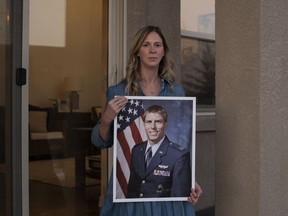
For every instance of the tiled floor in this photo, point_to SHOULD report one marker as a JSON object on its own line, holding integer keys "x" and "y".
{"x": 49, "y": 200}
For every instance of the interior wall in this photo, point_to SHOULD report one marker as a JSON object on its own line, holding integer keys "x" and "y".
{"x": 81, "y": 57}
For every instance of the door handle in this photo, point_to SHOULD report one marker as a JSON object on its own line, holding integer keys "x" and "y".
{"x": 21, "y": 76}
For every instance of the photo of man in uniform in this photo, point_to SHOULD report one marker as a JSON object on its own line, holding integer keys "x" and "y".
{"x": 158, "y": 167}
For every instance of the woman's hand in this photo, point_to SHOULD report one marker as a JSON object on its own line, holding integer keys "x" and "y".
{"x": 195, "y": 194}
{"x": 114, "y": 106}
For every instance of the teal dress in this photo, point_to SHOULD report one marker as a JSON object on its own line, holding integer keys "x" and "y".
{"x": 167, "y": 208}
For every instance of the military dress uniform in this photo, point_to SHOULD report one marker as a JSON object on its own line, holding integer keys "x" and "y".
{"x": 167, "y": 175}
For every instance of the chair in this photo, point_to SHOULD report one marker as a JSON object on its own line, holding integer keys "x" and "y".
{"x": 94, "y": 164}
{"x": 44, "y": 138}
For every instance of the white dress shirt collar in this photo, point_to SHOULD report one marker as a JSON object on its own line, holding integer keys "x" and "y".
{"x": 154, "y": 146}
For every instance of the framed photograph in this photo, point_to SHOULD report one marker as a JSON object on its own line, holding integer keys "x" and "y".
{"x": 166, "y": 171}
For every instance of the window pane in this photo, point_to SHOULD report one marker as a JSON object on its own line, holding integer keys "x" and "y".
{"x": 198, "y": 16}
{"x": 65, "y": 83}
{"x": 198, "y": 69}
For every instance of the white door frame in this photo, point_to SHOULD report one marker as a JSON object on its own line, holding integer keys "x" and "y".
{"x": 117, "y": 51}
{"x": 117, "y": 40}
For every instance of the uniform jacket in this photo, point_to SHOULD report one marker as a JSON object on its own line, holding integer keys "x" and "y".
{"x": 168, "y": 174}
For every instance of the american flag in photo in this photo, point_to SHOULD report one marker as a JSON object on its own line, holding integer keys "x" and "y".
{"x": 130, "y": 131}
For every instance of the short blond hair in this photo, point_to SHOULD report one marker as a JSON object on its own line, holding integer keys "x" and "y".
{"x": 156, "y": 109}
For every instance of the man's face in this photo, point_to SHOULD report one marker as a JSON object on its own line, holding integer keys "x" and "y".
{"x": 155, "y": 127}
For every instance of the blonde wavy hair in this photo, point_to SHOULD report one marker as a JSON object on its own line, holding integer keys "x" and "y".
{"x": 133, "y": 78}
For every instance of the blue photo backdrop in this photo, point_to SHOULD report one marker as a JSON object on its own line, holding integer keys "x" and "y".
{"x": 180, "y": 114}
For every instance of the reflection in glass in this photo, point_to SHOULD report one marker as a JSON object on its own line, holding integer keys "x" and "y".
{"x": 64, "y": 166}
{"x": 198, "y": 69}
{"x": 5, "y": 114}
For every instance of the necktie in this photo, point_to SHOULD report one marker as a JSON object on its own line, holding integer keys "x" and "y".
{"x": 148, "y": 156}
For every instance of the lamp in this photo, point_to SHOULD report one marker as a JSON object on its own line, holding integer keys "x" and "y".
{"x": 73, "y": 85}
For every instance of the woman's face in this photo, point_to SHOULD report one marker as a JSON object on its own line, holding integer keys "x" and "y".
{"x": 151, "y": 51}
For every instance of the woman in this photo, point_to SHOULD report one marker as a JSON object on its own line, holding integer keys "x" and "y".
{"x": 149, "y": 73}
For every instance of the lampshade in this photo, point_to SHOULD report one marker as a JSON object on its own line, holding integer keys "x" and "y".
{"x": 74, "y": 84}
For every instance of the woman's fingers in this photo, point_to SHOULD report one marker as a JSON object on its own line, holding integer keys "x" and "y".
{"x": 119, "y": 103}
{"x": 195, "y": 194}
{"x": 114, "y": 106}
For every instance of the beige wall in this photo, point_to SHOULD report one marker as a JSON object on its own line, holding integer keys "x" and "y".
{"x": 205, "y": 158}
{"x": 251, "y": 108}
{"x": 81, "y": 57}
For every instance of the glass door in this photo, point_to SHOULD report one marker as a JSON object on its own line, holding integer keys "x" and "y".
{"x": 67, "y": 81}
{"x": 12, "y": 109}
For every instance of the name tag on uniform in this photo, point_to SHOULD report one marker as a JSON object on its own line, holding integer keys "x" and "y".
{"x": 161, "y": 173}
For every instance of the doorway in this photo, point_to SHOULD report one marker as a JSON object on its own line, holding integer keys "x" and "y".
{"x": 67, "y": 81}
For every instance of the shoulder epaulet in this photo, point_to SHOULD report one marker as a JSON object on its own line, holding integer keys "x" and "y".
{"x": 177, "y": 147}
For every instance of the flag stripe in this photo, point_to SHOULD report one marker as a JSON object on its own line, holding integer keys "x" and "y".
{"x": 135, "y": 133}
{"x": 124, "y": 145}
{"x": 124, "y": 165}
{"x": 141, "y": 129}
{"x": 130, "y": 131}
{"x": 121, "y": 179}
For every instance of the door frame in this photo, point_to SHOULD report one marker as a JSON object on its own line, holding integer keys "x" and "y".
{"x": 17, "y": 155}
{"x": 116, "y": 67}
{"x": 24, "y": 111}
{"x": 117, "y": 50}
